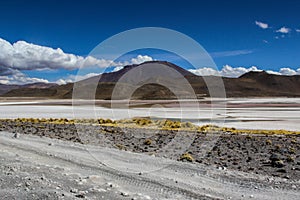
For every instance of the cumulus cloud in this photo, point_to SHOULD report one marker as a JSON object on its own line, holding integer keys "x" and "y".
{"x": 26, "y": 56}
{"x": 22, "y": 55}
{"x": 15, "y": 76}
{"x": 118, "y": 68}
{"x": 138, "y": 60}
{"x": 272, "y": 72}
{"x": 19, "y": 78}
{"x": 284, "y": 30}
{"x": 262, "y": 25}
{"x": 298, "y": 30}
{"x": 227, "y": 71}
{"x": 234, "y": 72}
{"x": 287, "y": 71}
{"x": 205, "y": 71}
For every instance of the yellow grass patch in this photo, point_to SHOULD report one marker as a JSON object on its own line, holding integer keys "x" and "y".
{"x": 150, "y": 124}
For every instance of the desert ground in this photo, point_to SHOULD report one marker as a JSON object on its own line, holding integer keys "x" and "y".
{"x": 57, "y": 159}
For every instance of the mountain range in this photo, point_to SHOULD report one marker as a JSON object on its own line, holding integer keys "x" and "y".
{"x": 251, "y": 84}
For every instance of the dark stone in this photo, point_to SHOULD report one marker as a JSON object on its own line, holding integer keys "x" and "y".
{"x": 282, "y": 170}
{"x": 80, "y": 196}
{"x": 278, "y": 164}
{"x": 275, "y": 157}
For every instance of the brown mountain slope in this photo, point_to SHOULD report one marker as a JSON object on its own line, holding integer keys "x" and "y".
{"x": 7, "y": 88}
{"x": 252, "y": 84}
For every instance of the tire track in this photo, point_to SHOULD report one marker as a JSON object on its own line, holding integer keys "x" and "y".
{"x": 142, "y": 183}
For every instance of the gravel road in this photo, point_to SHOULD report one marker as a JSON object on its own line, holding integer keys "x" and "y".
{"x": 34, "y": 167}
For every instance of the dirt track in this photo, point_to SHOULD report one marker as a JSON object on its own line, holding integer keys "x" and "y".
{"x": 33, "y": 168}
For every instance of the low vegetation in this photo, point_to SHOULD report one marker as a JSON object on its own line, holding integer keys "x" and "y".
{"x": 186, "y": 157}
{"x": 148, "y": 142}
{"x": 152, "y": 124}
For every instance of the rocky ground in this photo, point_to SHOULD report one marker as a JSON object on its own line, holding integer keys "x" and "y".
{"x": 34, "y": 167}
{"x": 20, "y": 179}
{"x": 272, "y": 155}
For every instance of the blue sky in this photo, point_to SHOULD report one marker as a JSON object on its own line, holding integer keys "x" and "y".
{"x": 226, "y": 29}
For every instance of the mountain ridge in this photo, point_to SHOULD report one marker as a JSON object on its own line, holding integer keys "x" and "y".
{"x": 250, "y": 84}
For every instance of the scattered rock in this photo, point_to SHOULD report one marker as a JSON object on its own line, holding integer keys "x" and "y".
{"x": 124, "y": 194}
{"x": 282, "y": 170}
{"x": 74, "y": 190}
{"x": 274, "y": 157}
{"x": 16, "y": 135}
{"x": 80, "y": 196}
{"x": 278, "y": 164}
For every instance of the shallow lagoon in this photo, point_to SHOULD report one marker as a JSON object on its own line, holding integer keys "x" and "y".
{"x": 260, "y": 113}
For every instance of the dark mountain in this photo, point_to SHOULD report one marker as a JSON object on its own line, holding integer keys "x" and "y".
{"x": 6, "y": 88}
{"x": 262, "y": 84}
{"x": 153, "y": 75}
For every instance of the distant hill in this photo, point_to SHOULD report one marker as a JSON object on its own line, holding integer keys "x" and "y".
{"x": 251, "y": 84}
{"x": 7, "y": 88}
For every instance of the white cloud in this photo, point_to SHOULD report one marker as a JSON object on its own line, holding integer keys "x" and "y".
{"x": 262, "y": 25}
{"x": 297, "y": 30}
{"x": 21, "y": 55}
{"x": 140, "y": 59}
{"x": 61, "y": 81}
{"x": 19, "y": 78}
{"x": 205, "y": 71}
{"x": 233, "y": 72}
{"x": 287, "y": 71}
{"x": 118, "y": 68}
{"x": 283, "y": 30}
{"x": 15, "y": 76}
{"x": 273, "y": 72}
{"x": 26, "y": 56}
{"x": 227, "y": 71}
